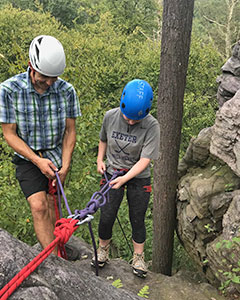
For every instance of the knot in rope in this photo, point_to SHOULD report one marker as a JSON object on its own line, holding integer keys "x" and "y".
{"x": 98, "y": 199}
{"x": 64, "y": 229}
{"x": 52, "y": 190}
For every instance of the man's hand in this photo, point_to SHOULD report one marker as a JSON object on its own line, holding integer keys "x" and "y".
{"x": 62, "y": 175}
{"x": 47, "y": 167}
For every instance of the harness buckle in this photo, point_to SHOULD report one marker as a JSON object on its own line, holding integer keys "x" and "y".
{"x": 147, "y": 188}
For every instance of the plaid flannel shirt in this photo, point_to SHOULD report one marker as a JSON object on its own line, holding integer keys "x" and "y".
{"x": 40, "y": 119}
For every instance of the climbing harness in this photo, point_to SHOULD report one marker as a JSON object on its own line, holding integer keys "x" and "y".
{"x": 64, "y": 228}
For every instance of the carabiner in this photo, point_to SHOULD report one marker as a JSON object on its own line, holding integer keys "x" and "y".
{"x": 88, "y": 218}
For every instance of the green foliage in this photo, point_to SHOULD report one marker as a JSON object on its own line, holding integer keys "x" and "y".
{"x": 17, "y": 31}
{"x": 102, "y": 57}
{"x": 231, "y": 273}
{"x": 181, "y": 259}
{"x": 117, "y": 283}
{"x": 127, "y": 15}
{"x": 200, "y": 103}
{"x": 68, "y": 12}
{"x": 144, "y": 292}
{"x": 15, "y": 215}
{"x": 217, "y": 21}
{"x": 209, "y": 228}
{"x": 130, "y": 14}
{"x": 229, "y": 187}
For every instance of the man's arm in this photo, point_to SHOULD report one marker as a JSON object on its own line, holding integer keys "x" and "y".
{"x": 18, "y": 145}
{"x": 68, "y": 145}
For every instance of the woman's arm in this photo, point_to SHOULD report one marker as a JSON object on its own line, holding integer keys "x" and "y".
{"x": 141, "y": 165}
{"x": 102, "y": 148}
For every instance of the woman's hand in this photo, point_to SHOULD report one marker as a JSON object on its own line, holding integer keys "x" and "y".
{"x": 117, "y": 182}
{"x": 101, "y": 167}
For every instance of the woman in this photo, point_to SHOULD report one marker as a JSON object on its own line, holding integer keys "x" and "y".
{"x": 129, "y": 138}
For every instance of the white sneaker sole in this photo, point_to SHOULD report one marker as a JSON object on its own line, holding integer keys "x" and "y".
{"x": 139, "y": 273}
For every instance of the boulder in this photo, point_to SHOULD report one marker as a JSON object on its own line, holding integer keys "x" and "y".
{"x": 57, "y": 278}
{"x": 225, "y": 142}
{"x": 208, "y": 209}
{"x": 229, "y": 81}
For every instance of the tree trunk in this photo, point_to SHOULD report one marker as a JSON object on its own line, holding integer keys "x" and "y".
{"x": 176, "y": 36}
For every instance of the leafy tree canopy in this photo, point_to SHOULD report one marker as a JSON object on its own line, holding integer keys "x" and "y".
{"x": 127, "y": 14}
{"x": 218, "y": 21}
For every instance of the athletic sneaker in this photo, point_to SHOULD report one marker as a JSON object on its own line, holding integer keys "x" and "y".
{"x": 102, "y": 256}
{"x": 138, "y": 265}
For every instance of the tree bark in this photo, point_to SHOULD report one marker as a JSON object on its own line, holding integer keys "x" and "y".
{"x": 175, "y": 44}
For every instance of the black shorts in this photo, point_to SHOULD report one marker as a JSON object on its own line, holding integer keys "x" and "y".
{"x": 30, "y": 178}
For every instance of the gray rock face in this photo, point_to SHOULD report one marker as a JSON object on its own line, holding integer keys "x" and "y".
{"x": 229, "y": 81}
{"x": 208, "y": 205}
{"x": 57, "y": 279}
{"x": 225, "y": 142}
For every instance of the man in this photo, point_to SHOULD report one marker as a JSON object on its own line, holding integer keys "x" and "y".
{"x": 38, "y": 112}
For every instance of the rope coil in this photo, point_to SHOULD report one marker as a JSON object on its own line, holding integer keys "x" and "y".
{"x": 63, "y": 232}
{"x": 64, "y": 228}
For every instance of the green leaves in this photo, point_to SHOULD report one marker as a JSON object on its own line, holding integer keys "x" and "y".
{"x": 230, "y": 272}
{"x": 144, "y": 292}
{"x": 117, "y": 283}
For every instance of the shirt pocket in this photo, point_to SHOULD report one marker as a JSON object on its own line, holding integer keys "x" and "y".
{"x": 27, "y": 120}
{"x": 56, "y": 120}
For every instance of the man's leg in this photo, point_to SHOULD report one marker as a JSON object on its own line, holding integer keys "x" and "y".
{"x": 51, "y": 209}
{"x": 42, "y": 219}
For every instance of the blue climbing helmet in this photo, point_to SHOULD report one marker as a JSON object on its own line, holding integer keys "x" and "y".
{"x": 136, "y": 99}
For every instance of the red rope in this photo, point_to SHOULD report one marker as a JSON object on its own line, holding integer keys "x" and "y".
{"x": 52, "y": 190}
{"x": 63, "y": 231}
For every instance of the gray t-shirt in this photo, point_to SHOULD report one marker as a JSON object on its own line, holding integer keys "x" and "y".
{"x": 126, "y": 144}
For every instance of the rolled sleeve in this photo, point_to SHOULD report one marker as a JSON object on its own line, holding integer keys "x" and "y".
{"x": 152, "y": 143}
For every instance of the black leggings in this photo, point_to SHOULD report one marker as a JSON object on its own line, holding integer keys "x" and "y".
{"x": 138, "y": 195}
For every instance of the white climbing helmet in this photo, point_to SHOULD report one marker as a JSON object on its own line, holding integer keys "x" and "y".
{"x": 47, "y": 55}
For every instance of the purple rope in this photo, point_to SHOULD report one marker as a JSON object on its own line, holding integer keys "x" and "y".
{"x": 59, "y": 185}
{"x": 59, "y": 202}
{"x": 97, "y": 200}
